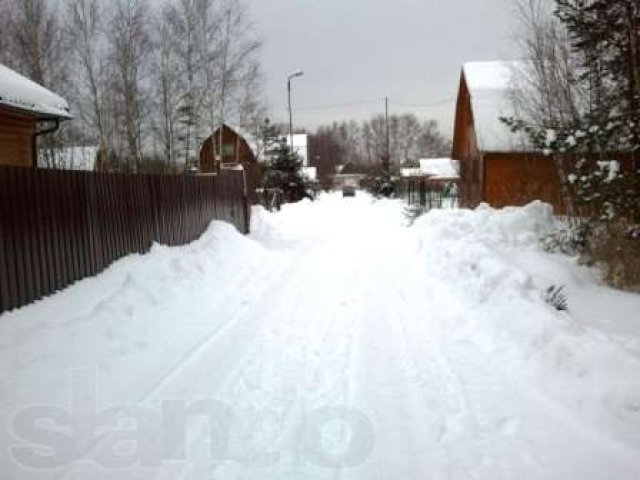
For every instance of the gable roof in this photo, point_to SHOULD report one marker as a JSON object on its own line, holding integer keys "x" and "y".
{"x": 18, "y": 92}
{"x": 250, "y": 139}
{"x": 490, "y": 85}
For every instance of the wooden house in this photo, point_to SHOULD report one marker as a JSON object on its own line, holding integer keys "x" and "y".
{"x": 434, "y": 179}
{"x": 27, "y": 110}
{"x": 496, "y": 165}
{"x": 226, "y": 147}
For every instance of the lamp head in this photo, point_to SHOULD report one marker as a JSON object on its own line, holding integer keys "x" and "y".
{"x": 297, "y": 73}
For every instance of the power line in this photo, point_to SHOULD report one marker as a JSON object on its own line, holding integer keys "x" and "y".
{"x": 424, "y": 105}
{"x": 338, "y": 106}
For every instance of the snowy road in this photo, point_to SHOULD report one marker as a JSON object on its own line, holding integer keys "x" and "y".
{"x": 326, "y": 346}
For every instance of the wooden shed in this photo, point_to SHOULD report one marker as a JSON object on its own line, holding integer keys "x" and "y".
{"x": 227, "y": 147}
{"x": 496, "y": 165}
{"x": 27, "y": 110}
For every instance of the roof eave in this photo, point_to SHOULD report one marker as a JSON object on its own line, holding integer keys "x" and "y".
{"x": 39, "y": 115}
{"x": 508, "y": 152}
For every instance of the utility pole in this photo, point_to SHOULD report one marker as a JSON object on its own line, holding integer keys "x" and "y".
{"x": 290, "y": 114}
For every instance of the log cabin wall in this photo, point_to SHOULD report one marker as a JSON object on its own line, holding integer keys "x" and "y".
{"x": 16, "y": 138}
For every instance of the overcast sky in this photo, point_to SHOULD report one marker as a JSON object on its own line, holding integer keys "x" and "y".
{"x": 361, "y": 50}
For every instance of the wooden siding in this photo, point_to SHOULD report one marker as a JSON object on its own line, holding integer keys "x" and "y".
{"x": 16, "y": 138}
{"x": 506, "y": 178}
{"x": 515, "y": 179}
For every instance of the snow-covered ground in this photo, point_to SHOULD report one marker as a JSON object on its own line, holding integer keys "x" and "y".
{"x": 334, "y": 342}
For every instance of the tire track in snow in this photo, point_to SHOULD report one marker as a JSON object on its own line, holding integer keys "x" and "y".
{"x": 192, "y": 355}
{"x": 318, "y": 347}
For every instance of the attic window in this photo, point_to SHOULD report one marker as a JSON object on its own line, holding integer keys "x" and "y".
{"x": 228, "y": 149}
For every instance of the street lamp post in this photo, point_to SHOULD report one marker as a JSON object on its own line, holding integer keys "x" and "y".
{"x": 295, "y": 74}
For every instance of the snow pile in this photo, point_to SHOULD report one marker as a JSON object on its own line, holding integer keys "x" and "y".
{"x": 335, "y": 336}
{"x": 139, "y": 317}
{"x": 20, "y": 92}
{"x": 499, "y": 274}
{"x": 294, "y": 225}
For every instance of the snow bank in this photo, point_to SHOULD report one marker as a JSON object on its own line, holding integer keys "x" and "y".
{"x": 494, "y": 262}
{"x": 436, "y": 333}
{"x": 138, "y": 317}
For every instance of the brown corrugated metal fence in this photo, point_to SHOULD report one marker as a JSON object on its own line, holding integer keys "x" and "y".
{"x": 57, "y": 227}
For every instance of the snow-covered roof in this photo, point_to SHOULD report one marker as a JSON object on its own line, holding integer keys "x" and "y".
{"x": 17, "y": 91}
{"x": 251, "y": 139}
{"x": 490, "y": 85}
{"x": 437, "y": 168}
{"x": 440, "y": 167}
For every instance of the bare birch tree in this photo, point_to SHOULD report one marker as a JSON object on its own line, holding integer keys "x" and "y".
{"x": 5, "y": 39}
{"x": 130, "y": 47}
{"x": 182, "y": 28}
{"x": 86, "y": 40}
{"x": 37, "y": 47}
{"x": 542, "y": 88}
{"x": 167, "y": 89}
{"x": 231, "y": 62}
{"x": 38, "y": 43}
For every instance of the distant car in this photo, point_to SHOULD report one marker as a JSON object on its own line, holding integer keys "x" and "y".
{"x": 348, "y": 191}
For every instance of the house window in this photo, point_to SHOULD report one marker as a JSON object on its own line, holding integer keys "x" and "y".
{"x": 228, "y": 150}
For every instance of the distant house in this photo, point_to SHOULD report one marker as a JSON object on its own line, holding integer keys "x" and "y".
{"x": 432, "y": 182}
{"x": 27, "y": 110}
{"x": 496, "y": 165}
{"x": 438, "y": 169}
{"x": 300, "y": 146}
{"x": 228, "y": 148}
{"x": 341, "y": 180}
